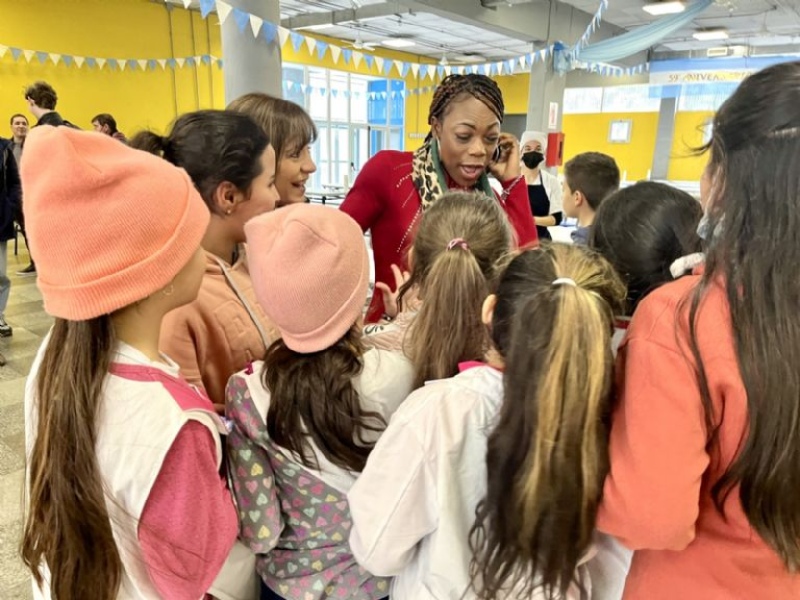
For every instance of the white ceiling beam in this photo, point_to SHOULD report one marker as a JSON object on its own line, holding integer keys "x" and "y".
{"x": 335, "y": 17}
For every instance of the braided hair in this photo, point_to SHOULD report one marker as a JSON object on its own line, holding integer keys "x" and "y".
{"x": 478, "y": 86}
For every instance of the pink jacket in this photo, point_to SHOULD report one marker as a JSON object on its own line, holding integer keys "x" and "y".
{"x": 219, "y": 333}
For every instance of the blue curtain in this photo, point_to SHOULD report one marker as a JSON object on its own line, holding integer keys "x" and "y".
{"x": 640, "y": 39}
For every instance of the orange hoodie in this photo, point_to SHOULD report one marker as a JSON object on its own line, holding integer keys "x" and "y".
{"x": 215, "y": 336}
{"x": 657, "y": 497}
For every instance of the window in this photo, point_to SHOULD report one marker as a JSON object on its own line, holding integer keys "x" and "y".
{"x": 581, "y": 101}
{"x": 356, "y": 116}
{"x": 620, "y": 131}
{"x": 629, "y": 98}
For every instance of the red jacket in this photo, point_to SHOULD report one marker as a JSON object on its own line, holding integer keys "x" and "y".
{"x": 657, "y": 497}
{"x": 385, "y": 201}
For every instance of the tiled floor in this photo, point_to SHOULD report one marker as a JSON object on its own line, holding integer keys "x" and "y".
{"x": 26, "y": 316}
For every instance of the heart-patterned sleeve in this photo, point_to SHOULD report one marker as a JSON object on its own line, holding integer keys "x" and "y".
{"x": 253, "y": 482}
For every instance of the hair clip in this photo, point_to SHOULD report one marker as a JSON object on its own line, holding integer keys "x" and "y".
{"x": 564, "y": 281}
{"x": 460, "y": 242}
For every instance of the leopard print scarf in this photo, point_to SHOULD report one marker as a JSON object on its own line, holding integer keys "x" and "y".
{"x": 429, "y": 179}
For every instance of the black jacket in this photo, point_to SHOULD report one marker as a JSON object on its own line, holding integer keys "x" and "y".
{"x": 54, "y": 119}
{"x": 10, "y": 190}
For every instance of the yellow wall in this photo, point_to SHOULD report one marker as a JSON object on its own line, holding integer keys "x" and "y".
{"x": 589, "y": 133}
{"x": 688, "y": 135}
{"x": 114, "y": 29}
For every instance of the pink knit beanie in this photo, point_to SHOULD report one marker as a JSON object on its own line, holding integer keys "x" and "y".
{"x": 107, "y": 225}
{"x": 310, "y": 273}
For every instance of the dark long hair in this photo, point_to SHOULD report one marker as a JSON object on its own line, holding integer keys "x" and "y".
{"x": 641, "y": 230}
{"x": 755, "y": 212}
{"x": 67, "y": 525}
{"x": 312, "y": 396}
{"x": 453, "y": 281}
{"x": 213, "y": 146}
{"x": 547, "y": 457}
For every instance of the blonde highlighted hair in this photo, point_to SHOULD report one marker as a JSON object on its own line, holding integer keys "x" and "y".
{"x": 454, "y": 262}
{"x": 547, "y": 457}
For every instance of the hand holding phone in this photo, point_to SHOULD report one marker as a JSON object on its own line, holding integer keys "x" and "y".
{"x": 505, "y": 160}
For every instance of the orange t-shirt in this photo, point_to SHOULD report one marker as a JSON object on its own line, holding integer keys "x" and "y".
{"x": 657, "y": 497}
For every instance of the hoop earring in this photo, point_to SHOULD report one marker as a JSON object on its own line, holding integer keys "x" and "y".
{"x": 168, "y": 291}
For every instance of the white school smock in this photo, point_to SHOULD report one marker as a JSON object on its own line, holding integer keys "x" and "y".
{"x": 414, "y": 505}
{"x": 138, "y": 423}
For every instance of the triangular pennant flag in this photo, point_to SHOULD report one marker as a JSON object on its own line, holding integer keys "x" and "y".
{"x": 398, "y": 64}
{"x": 223, "y": 10}
{"x": 269, "y": 31}
{"x": 335, "y": 93}
{"x": 322, "y": 48}
{"x": 206, "y": 59}
{"x": 171, "y": 63}
{"x": 510, "y": 65}
{"x": 283, "y": 35}
{"x": 379, "y": 63}
{"x": 122, "y": 63}
{"x": 219, "y": 63}
{"x": 162, "y": 62}
{"x": 311, "y": 43}
{"x": 28, "y": 54}
{"x": 448, "y": 70}
{"x": 297, "y": 39}
{"x": 101, "y": 62}
{"x": 357, "y": 58}
{"x": 181, "y": 62}
{"x": 68, "y": 60}
{"x": 3, "y": 50}
{"x": 440, "y": 71}
{"x": 16, "y": 53}
{"x": 404, "y": 70}
{"x": 187, "y": 3}
{"x": 112, "y": 63}
{"x": 423, "y": 71}
{"x": 190, "y": 61}
{"x": 91, "y": 63}
{"x": 336, "y": 52}
{"x": 415, "y": 69}
{"x": 255, "y": 24}
{"x": 242, "y": 18}
{"x": 42, "y": 56}
{"x": 523, "y": 62}
{"x": 55, "y": 57}
{"x": 347, "y": 55}
{"x": 206, "y": 6}
{"x": 151, "y": 64}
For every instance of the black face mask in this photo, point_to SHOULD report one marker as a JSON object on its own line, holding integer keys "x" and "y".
{"x": 532, "y": 159}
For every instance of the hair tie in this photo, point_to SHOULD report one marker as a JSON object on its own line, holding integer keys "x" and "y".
{"x": 460, "y": 242}
{"x": 564, "y": 281}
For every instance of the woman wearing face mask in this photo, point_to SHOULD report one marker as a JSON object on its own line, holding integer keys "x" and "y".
{"x": 544, "y": 189}
{"x": 465, "y": 142}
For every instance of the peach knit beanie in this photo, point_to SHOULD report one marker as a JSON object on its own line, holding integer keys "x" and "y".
{"x": 310, "y": 272}
{"x": 107, "y": 225}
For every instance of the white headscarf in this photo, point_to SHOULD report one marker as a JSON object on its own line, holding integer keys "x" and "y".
{"x": 534, "y": 136}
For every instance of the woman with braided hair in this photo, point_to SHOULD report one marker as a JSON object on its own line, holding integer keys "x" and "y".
{"x": 464, "y": 144}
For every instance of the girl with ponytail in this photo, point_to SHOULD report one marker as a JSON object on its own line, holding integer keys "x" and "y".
{"x": 489, "y": 481}
{"x": 454, "y": 264}
{"x": 232, "y": 164}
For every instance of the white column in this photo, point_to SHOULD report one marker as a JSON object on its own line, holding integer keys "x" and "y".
{"x": 251, "y": 64}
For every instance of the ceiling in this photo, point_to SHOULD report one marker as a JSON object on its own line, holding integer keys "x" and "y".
{"x": 755, "y": 23}
{"x": 763, "y": 25}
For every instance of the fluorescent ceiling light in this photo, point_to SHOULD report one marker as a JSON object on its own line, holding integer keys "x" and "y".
{"x": 317, "y": 27}
{"x": 711, "y": 34}
{"x": 665, "y": 8}
{"x": 398, "y": 43}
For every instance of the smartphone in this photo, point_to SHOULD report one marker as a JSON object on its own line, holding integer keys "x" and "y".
{"x": 498, "y": 153}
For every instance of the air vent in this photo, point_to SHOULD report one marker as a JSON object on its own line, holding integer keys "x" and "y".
{"x": 717, "y": 52}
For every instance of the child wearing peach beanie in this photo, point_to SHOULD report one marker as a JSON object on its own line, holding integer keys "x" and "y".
{"x": 306, "y": 417}
{"x": 124, "y": 494}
